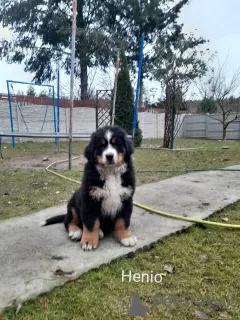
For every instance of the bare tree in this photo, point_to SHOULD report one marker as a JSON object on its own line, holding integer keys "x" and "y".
{"x": 65, "y": 86}
{"x": 223, "y": 90}
{"x": 105, "y": 79}
{"x": 177, "y": 65}
{"x": 181, "y": 105}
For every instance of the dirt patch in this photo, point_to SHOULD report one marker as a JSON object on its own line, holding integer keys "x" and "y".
{"x": 40, "y": 162}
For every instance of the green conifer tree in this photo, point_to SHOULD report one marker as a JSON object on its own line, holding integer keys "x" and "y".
{"x": 31, "y": 91}
{"x": 124, "y": 97}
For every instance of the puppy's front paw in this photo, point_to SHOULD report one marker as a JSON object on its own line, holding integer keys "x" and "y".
{"x": 129, "y": 242}
{"x": 126, "y": 193}
{"x": 90, "y": 241}
{"x": 97, "y": 193}
{"x": 124, "y": 234}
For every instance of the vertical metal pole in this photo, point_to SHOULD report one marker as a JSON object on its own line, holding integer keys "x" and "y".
{"x": 58, "y": 103}
{"x": 138, "y": 86}
{"x": 54, "y": 115}
{"x": 58, "y": 97}
{"x": 115, "y": 91}
{"x": 173, "y": 113}
{"x": 19, "y": 121}
{"x": 97, "y": 109}
{"x": 10, "y": 110}
{"x": 74, "y": 23}
{"x": 173, "y": 122}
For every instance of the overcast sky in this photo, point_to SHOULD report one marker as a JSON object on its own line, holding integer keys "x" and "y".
{"x": 215, "y": 20}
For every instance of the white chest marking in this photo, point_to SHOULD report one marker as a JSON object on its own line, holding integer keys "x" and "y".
{"x": 112, "y": 202}
{"x": 113, "y": 190}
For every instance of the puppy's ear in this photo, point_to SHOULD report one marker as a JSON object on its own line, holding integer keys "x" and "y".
{"x": 89, "y": 151}
{"x": 129, "y": 149}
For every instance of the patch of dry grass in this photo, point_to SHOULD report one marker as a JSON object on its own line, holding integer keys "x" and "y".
{"x": 99, "y": 293}
{"x": 26, "y": 191}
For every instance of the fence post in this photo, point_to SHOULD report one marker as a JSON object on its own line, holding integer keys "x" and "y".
{"x": 239, "y": 130}
{"x": 206, "y": 126}
{"x": 18, "y": 122}
{"x": 66, "y": 119}
{"x": 184, "y": 127}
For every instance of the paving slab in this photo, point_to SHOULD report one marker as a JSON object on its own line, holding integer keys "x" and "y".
{"x": 29, "y": 254}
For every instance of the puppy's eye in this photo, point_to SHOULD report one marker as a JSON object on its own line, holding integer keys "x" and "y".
{"x": 113, "y": 140}
{"x": 102, "y": 142}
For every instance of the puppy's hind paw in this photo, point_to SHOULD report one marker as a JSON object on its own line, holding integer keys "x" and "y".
{"x": 101, "y": 234}
{"x": 75, "y": 235}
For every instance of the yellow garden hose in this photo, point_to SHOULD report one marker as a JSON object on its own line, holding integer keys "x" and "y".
{"x": 165, "y": 214}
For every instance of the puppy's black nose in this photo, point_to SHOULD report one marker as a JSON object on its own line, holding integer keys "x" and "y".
{"x": 109, "y": 157}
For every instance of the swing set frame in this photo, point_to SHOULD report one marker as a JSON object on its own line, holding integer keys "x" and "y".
{"x": 56, "y": 108}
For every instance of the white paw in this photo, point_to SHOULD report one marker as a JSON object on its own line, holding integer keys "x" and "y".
{"x": 75, "y": 235}
{"x": 97, "y": 193}
{"x": 42, "y": 223}
{"x": 129, "y": 242}
{"x": 101, "y": 234}
{"x": 126, "y": 193}
{"x": 88, "y": 247}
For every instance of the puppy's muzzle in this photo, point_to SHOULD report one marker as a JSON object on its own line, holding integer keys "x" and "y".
{"x": 110, "y": 158}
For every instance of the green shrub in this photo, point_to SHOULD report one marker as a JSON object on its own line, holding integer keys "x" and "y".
{"x": 138, "y": 137}
{"x": 207, "y": 105}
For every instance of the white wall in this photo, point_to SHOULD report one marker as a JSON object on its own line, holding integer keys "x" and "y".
{"x": 152, "y": 124}
{"x": 202, "y": 126}
{"x": 84, "y": 121}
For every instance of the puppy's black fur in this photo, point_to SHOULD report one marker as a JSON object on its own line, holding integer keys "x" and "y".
{"x": 98, "y": 173}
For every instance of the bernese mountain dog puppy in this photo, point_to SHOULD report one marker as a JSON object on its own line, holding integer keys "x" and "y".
{"x": 104, "y": 201}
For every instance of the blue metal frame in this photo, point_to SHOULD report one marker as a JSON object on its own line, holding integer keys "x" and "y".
{"x": 54, "y": 114}
{"x": 32, "y": 84}
{"x": 138, "y": 85}
{"x": 19, "y": 107}
{"x": 58, "y": 97}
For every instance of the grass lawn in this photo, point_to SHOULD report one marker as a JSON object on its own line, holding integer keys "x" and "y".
{"x": 99, "y": 294}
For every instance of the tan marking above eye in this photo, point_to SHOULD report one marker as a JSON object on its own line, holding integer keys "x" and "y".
{"x": 113, "y": 140}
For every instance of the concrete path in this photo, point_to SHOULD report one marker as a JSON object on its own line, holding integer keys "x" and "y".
{"x": 30, "y": 254}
